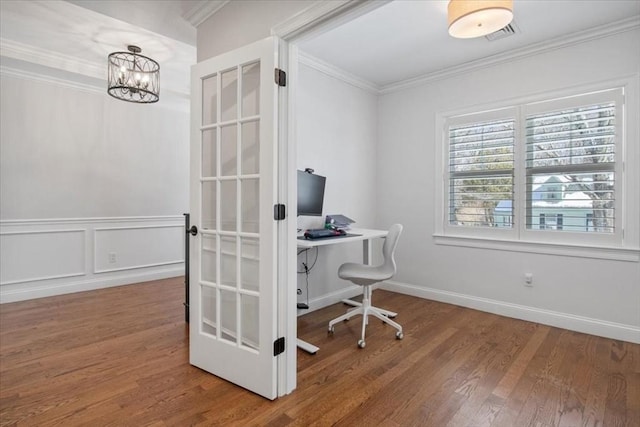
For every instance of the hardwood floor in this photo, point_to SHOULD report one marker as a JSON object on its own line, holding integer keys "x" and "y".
{"x": 119, "y": 357}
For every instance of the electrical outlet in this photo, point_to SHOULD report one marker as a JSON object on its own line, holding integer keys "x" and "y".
{"x": 112, "y": 257}
{"x": 528, "y": 279}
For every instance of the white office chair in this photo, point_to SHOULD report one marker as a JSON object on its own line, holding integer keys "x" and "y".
{"x": 367, "y": 275}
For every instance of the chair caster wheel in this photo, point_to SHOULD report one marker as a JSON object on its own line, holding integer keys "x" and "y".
{"x": 331, "y": 330}
{"x": 399, "y": 335}
{"x": 361, "y": 343}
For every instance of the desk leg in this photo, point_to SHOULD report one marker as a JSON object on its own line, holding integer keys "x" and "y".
{"x": 366, "y": 251}
{"x": 309, "y": 348}
{"x": 366, "y": 259}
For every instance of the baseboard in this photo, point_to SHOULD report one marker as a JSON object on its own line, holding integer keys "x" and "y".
{"x": 572, "y": 322}
{"x": 48, "y": 290}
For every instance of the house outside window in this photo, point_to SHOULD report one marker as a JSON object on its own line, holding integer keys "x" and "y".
{"x": 546, "y": 171}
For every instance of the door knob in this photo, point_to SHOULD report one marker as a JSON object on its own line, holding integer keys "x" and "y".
{"x": 193, "y": 230}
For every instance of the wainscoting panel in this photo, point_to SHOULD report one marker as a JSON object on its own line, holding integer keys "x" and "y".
{"x": 127, "y": 248}
{"x": 59, "y": 253}
{"x": 47, "y": 257}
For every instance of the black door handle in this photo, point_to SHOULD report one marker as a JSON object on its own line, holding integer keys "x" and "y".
{"x": 193, "y": 230}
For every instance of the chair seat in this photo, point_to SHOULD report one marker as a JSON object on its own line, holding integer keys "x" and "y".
{"x": 362, "y": 274}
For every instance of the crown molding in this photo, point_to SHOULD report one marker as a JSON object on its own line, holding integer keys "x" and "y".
{"x": 48, "y": 58}
{"x": 338, "y": 73}
{"x": 325, "y": 14}
{"x": 203, "y": 10}
{"x": 628, "y": 24}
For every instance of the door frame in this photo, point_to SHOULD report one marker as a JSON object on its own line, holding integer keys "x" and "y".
{"x": 319, "y": 18}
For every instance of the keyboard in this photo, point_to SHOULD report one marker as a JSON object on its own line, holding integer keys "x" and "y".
{"x": 320, "y": 233}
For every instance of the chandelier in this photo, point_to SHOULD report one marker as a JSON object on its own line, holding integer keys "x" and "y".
{"x": 477, "y": 18}
{"x": 133, "y": 77}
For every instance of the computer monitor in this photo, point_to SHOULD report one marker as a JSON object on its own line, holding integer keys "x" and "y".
{"x": 310, "y": 193}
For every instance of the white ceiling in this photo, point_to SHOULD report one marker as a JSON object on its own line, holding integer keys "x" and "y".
{"x": 399, "y": 40}
{"x": 404, "y": 39}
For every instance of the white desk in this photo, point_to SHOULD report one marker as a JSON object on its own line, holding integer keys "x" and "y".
{"x": 358, "y": 234}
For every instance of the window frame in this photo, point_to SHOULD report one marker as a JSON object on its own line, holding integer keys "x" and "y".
{"x": 623, "y": 244}
{"x": 587, "y": 238}
{"x": 490, "y": 115}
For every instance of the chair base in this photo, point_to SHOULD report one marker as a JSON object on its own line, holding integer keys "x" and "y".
{"x": 365, "y": 309}
{"x": 388, "y": 313}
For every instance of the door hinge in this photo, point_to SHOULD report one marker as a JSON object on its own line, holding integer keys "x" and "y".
{"x": 278, "y": 346}
{"x": 280, "y": 77}
{"x": 279, "y": 212}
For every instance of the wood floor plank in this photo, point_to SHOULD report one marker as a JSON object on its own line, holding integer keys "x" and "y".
{"x": 511, "y": 377}
{"x": 632, "y": 371}
{"x": 119, "y": 357}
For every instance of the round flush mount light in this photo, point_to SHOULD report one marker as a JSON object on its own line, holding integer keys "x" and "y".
{"x": 133, "y": 77}
{"x": 477, "y": 18}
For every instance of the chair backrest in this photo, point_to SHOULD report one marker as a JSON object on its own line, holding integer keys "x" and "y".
{"x": 389, "y": 248}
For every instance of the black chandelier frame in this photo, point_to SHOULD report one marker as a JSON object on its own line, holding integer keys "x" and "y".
{"x": 133, "y": 77}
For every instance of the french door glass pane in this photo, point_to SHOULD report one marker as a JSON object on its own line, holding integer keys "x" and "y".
{"x": 250, "y": 148}
{"x": 208, "y": 305}
{"x": 210, "y": 100}
{"x": 209, "y": 153}
{"x": 228, "y": 150}
{"x": 250, "y": 205}
{"x": 228, "y": 198}
{"x": 209, "y": 192}
{"x": 208, "y": 258}
{"x": 250, "y": 321}
{"x": 228, "y": 315}
{"x": 251, "y": 89}
{"x": 229, "y": 95}
{"x": 228, "y": 261}
{"x": 250, "y": 263}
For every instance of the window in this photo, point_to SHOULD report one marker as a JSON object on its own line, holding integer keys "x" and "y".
{"x": 546, "y": 171}
{"x": 481, "y": 173}
{"x": 570, "y": 167}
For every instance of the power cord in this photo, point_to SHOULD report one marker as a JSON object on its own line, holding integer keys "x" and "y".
{"x": 306, "y": 270}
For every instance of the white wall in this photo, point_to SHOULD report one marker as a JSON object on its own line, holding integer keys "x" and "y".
{"x": 68, "y": 153}
{"x": 239, "y": 23}
{"x": 336, "y": 135}
{"x": 598, "y": 296}
{"x": 82, "y": 176}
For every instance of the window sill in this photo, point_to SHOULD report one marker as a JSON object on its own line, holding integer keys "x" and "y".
{"x": 581, "y": 251}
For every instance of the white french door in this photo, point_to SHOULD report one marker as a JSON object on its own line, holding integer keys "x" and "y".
{"x": 233, "y": 289}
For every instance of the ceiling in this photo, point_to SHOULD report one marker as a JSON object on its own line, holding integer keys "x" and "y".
{"x": 404, "y": 39}
{"x": 399, "y": 40}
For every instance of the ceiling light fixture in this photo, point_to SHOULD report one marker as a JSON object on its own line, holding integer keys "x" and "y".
{"x": 133, "y": 77}
{"x": 477, "y": 18}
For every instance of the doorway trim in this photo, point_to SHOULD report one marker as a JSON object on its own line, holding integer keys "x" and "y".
{"x": 318, "y": 18}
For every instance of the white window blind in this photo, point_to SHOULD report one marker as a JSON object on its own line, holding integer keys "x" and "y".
{"x": 570, "y": 169}
{"x": 481, "y": 161}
